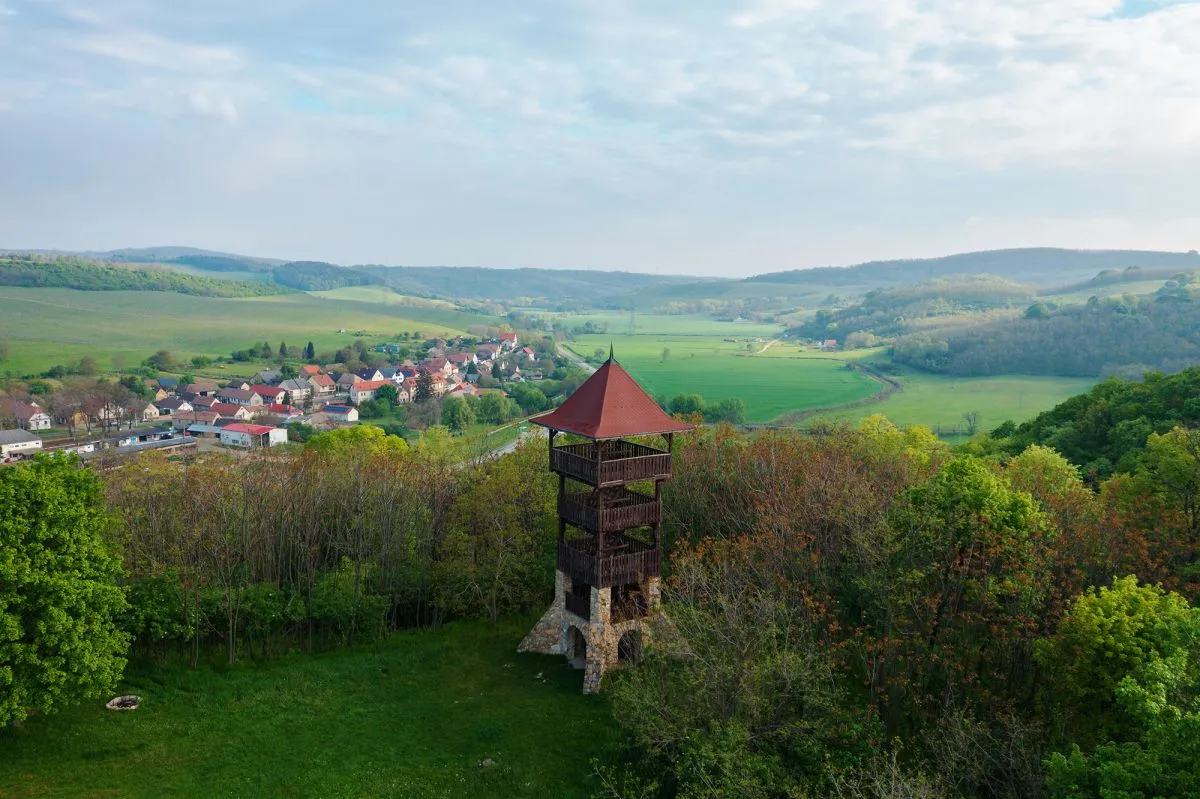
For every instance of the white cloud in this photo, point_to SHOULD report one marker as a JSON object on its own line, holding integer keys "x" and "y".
{"x": 831, "y": 118}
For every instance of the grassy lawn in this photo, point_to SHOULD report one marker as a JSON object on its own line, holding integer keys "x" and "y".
{"x": 48, "y": 326}
{"x": 411, "y": 717}
{"x": 940, "y": 401}
{"x": 715, "y": 369}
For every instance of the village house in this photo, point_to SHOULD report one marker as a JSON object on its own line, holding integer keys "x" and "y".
{"x": 29, "y": 415}
{"x": 346, "y": 381}
{"x": 238, "y": 383}
{"x": 321, "y": 385}
{"x": 267, "y": 377}
{"x": 365, "y": 390}
{"x": 270, "y": 394}
{"x": 142, "y": 411}
{"x": 528, "y": 354}
{"x": 183, "y": 421}
{"x": 228, "y": 410}
{"x": 308, "y": 370}
{"x": 462, "y": 359}
{"x": 439, "y": 366}
{"x": 343, "y": 414}
{"x": 298, "y": 390}
{"x": 486, "y": 353}
{"x": 170, "y": 406}
{"x": 168, "y": 383}
{"x": 369, "y": 375}
{"x": 203, "y": 388}
{"x": 203, "y": 402}
{"x": 240, "y": 396}
{"x": 156, "y": 392}
{"x": 251, "y": 436}
{"x": 18, "y": 443}
{"x": 508, "y": 341}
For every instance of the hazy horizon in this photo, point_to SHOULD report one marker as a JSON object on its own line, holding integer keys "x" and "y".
{"x": 699, "y": 138}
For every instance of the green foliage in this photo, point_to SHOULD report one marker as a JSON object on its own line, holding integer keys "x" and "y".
{"x": 457, "y": 414}
{"x": 84, "y": 275}
{"x": 388, "y": 395}
{"x": 1122, "y": 658}
{"x": 358, "y": 439}
{"x": 162, "y": 361}
{"x": 493, "y": 557}
{"x": 345, "y": 599}
{"x": 531, "y": 398}
{"x": 59, "y": 598}
{"x": 1110, "y": 336}
{"x": 495, "y": 408}
{"x": 1107, "y": 428}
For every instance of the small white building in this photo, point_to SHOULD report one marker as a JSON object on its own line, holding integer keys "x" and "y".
{"x": 251, "y": 436}
{"x": 18, "y": 442}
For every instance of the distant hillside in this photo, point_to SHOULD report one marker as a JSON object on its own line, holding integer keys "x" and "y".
{"x": 33, "y": 271}
{"x": 893, "y": 311}
{"x": 320, "y": 276}
{"x": 1042, "y": 266}
{"x": 1110, "y": 336}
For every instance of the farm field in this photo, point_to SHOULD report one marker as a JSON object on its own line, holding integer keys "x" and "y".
{"x": 48, "y": 326}
{"x": 412, "y": 717}
{"x": 646, "y": 324}
{"x": 717, "y": 370}
{"x": 939, "y": 401}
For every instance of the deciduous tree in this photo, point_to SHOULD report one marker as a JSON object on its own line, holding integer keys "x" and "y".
{"x": 59, "y": 592}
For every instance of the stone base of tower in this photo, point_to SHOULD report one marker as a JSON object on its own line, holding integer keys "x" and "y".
{"x": 598, "y": 642}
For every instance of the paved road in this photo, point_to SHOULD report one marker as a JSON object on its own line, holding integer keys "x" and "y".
{"x": 575, "y": 359}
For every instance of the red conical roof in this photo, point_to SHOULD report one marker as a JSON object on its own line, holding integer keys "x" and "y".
{"x": 610, "y": 404}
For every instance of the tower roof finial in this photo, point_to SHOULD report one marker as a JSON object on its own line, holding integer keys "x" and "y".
{"x": 610, "y": 353}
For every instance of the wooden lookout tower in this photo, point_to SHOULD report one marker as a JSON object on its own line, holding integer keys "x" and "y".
{"x": 609, "y": 522}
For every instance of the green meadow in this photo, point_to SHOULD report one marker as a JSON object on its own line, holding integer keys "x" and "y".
{"x": 48, "y": 326}
{"x": 940, "y": 401}
{"x": 411, "y": 717}
{"x": 717, "y": 370}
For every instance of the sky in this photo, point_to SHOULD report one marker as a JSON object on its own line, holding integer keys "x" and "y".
{"x": 713, "y": 137}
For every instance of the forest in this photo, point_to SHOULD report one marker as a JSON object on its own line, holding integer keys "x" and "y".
{"x": 856, "y": 611}
{"x": 33, "y": 271}
{"x": 1123, "y": 336}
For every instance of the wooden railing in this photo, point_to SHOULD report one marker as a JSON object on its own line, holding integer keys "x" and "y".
{"x": 619, "y": 462}
{"x": 577, "y": 558}
{"x": 621, "y": 510}
{"x": 631, "y": 567}
{"x": 578, "y": 563}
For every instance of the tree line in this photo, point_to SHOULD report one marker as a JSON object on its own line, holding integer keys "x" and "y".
{"x": 1116, "y": 336}
{"x": 70, "y": 272}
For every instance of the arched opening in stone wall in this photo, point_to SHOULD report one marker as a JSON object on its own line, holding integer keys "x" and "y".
{"x": 576, "y": 648}
{"x": 629, "y": 648}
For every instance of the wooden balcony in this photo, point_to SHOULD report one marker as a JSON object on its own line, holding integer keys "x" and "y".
{"x": 618, "y": 462}
{"x": 628, "y": 561}
{"x": 620, "y": 510}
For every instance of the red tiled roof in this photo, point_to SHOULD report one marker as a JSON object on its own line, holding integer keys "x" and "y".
{"x": 371, "y": 385}
{"x": 508, "y": 336}
{"x": 610, "y": 404}
{"x": 267, "y": 391}
{"x": 252, "y": 429}
{"x": 227, "y": 409}
{"x": 309, "y": 369}
{"x": 236, "y": 393}
{"x": 325, "y": 381}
